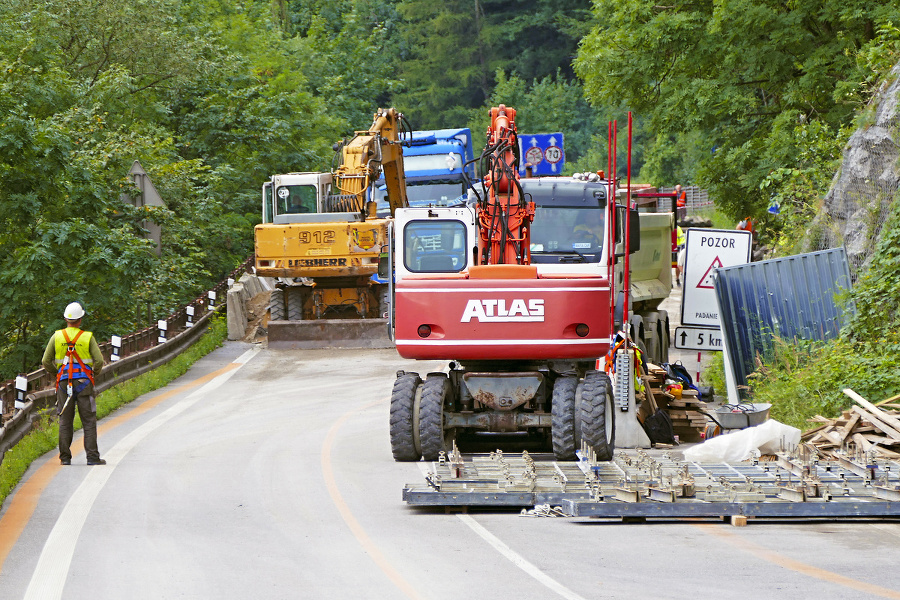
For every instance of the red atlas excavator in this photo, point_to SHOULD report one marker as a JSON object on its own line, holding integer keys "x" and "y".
{"x": 524, "y": 336}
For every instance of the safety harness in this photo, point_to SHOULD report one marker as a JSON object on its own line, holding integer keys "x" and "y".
{"x": 80, "y": 372}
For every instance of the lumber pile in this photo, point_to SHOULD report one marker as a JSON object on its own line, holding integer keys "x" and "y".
{"x": 687, "y": 420}
{"x": 866, "y": 426}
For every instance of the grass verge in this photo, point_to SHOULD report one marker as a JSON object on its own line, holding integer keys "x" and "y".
{"x": 44, "y": 436}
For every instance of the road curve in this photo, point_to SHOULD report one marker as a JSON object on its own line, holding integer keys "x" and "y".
{"x": 268, "y": 474}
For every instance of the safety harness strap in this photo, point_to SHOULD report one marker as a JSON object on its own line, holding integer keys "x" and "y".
{"x": 71, "y": 357}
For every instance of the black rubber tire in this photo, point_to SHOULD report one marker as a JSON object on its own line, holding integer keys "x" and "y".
{"x": 276, "y": 305}
{"x": 598, "y": 414}
{"x": 562, "y": 411}
{"x": 637, "y": 329}
{"x": 403, "y": 398}
{"x": 435, "y": 392}
{"x": 294, "y": 304}
{"x": 384, "y": 302}
{"x": 664, "y": 336}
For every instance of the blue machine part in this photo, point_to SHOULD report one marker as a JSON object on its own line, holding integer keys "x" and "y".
{"x": 436, "y": 163}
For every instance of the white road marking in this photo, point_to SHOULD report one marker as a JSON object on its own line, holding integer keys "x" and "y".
{"x": 513, "y": 556}
{"x": 49, "y": 577}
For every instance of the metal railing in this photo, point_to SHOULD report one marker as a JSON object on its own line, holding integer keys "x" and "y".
{"x": 139, "y": 352}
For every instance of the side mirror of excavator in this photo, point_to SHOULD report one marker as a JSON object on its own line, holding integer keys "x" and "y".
{"x": 634, "y": 233}
{"x": 384, "y": 264}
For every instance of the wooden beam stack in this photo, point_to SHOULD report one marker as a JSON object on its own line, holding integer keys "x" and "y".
{"x": 867, "y": 427}
{"x": 687, "y": 420}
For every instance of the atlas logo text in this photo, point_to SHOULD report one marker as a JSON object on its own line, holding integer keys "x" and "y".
{"x": 488, "y": 311}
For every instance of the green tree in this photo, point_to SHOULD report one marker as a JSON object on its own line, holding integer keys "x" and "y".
{"x": 729, "y": 72}
{"x": 452, "y": 52}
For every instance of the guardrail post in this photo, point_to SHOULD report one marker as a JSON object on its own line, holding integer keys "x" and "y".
{"x": 116, "y": 342}
{"x": 190, "y": 316}
{"x": 21, "y": 390}
{"x": 212, "y": 300}
{"x": 162, "y": 325}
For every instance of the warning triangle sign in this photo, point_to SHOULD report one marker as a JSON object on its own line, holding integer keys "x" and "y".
{"x": 707, "y": 281}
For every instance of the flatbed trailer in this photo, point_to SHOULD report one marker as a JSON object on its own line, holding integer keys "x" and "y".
{"x": 638, "y": 484}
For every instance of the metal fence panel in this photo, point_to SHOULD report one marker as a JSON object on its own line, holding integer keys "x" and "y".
{"x": 796, "y": 297}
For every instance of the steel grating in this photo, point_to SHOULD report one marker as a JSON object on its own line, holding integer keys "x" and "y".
{"x": 638, "y": 484}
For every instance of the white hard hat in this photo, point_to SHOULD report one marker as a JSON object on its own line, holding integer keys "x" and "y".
{"x": 73, "y": 312}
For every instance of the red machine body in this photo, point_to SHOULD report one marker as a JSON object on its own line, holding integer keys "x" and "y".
{"x": 525, "y": 318}
{"x": 518, "y": 295}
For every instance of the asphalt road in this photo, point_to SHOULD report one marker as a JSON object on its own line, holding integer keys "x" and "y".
{"x": 268, "y": 474}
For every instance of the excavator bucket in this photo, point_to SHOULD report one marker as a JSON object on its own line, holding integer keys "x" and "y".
{"x": 329, "y": 333}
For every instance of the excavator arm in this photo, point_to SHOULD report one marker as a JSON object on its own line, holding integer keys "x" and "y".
{"x": 504, "y": 216}
{"x": 364, "y": 158}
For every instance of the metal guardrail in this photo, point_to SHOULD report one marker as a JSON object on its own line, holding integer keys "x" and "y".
{"x": 140, "y": 352}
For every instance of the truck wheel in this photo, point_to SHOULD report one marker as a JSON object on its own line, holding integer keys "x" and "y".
{"x": 403, "y": 399}
{"x": 435, "y": 393}
{"x": 294, "y": 304}
{"x": 598, "y": 417}
{"x": 384, "y": 302}
{"x": 562, "y": 410}
{"x": 652, "y": 336}
{"x": 665, "y": 340}
{"x": 276, "y": 305}
{"x": 637, "y": 329}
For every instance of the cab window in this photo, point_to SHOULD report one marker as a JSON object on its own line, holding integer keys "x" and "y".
{"x": 295, "y": 199}
{"x": 435, "y": 246}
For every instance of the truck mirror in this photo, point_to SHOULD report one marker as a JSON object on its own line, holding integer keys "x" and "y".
{"x": 384, "y": 265}
{"x": 635, "y": 232}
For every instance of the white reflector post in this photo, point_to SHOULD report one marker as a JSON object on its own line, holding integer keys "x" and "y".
{"x": 21, "y": 390}
{"x": 162, "y": 325}
{"x": 116, "y": 342}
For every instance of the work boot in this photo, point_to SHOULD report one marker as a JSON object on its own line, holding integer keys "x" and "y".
{"x": 65, "y": 461}
{"x": 99, "y": 461}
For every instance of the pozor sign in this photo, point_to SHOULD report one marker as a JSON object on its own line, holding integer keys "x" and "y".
{"x": 705, "y": 251}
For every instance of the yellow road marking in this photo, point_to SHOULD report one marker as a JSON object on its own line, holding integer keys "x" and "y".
{"x": 358, "y": 532}
{"x": 24, "y": 502}
{"x": 795, "y": 565}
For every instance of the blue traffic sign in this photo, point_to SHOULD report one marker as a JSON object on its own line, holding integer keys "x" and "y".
{"x": 543, "y": 151}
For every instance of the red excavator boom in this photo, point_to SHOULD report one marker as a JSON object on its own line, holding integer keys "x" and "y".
{"x": 504, "y": 218}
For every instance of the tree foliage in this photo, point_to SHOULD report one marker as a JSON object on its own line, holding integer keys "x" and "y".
{"x": 732, "y": 77}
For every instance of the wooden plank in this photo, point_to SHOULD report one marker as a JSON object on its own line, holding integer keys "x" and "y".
{"x": 881, "y": 426}
{"x": 887, "y": 400}
{"x": 834, "y": 437}
{"x": 891, "y": 420}
{"x": 847, "y": 428}
{"x": 862, "y": 442}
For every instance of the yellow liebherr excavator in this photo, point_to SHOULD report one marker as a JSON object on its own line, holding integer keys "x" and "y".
{"x": 321, "y": 239}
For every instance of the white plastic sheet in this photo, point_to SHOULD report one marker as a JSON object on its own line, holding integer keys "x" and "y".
{"x": 766, "y": 438}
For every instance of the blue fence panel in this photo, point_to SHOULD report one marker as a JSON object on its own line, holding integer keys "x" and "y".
{"x": 796, "y": 297}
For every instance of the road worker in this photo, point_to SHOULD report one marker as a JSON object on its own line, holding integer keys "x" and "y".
{"x": 74, "y": 356}
{"x": 680, "y": 240}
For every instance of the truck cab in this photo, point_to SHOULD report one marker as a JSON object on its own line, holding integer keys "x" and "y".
{"x": 438, "y": 167}
{"x": 302, "y": 198}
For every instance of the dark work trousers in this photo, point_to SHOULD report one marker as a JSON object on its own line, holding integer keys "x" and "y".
{"x": 87, "y": 410}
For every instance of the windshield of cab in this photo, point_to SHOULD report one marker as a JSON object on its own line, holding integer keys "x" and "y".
{"x": 429, "y": 194}
{"x": 295, "y": 199}
{"x": 567, "y": 230}
{"x": 434, "y": 246}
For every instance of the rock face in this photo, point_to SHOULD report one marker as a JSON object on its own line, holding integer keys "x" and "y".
{"x": 858, "y": 203}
